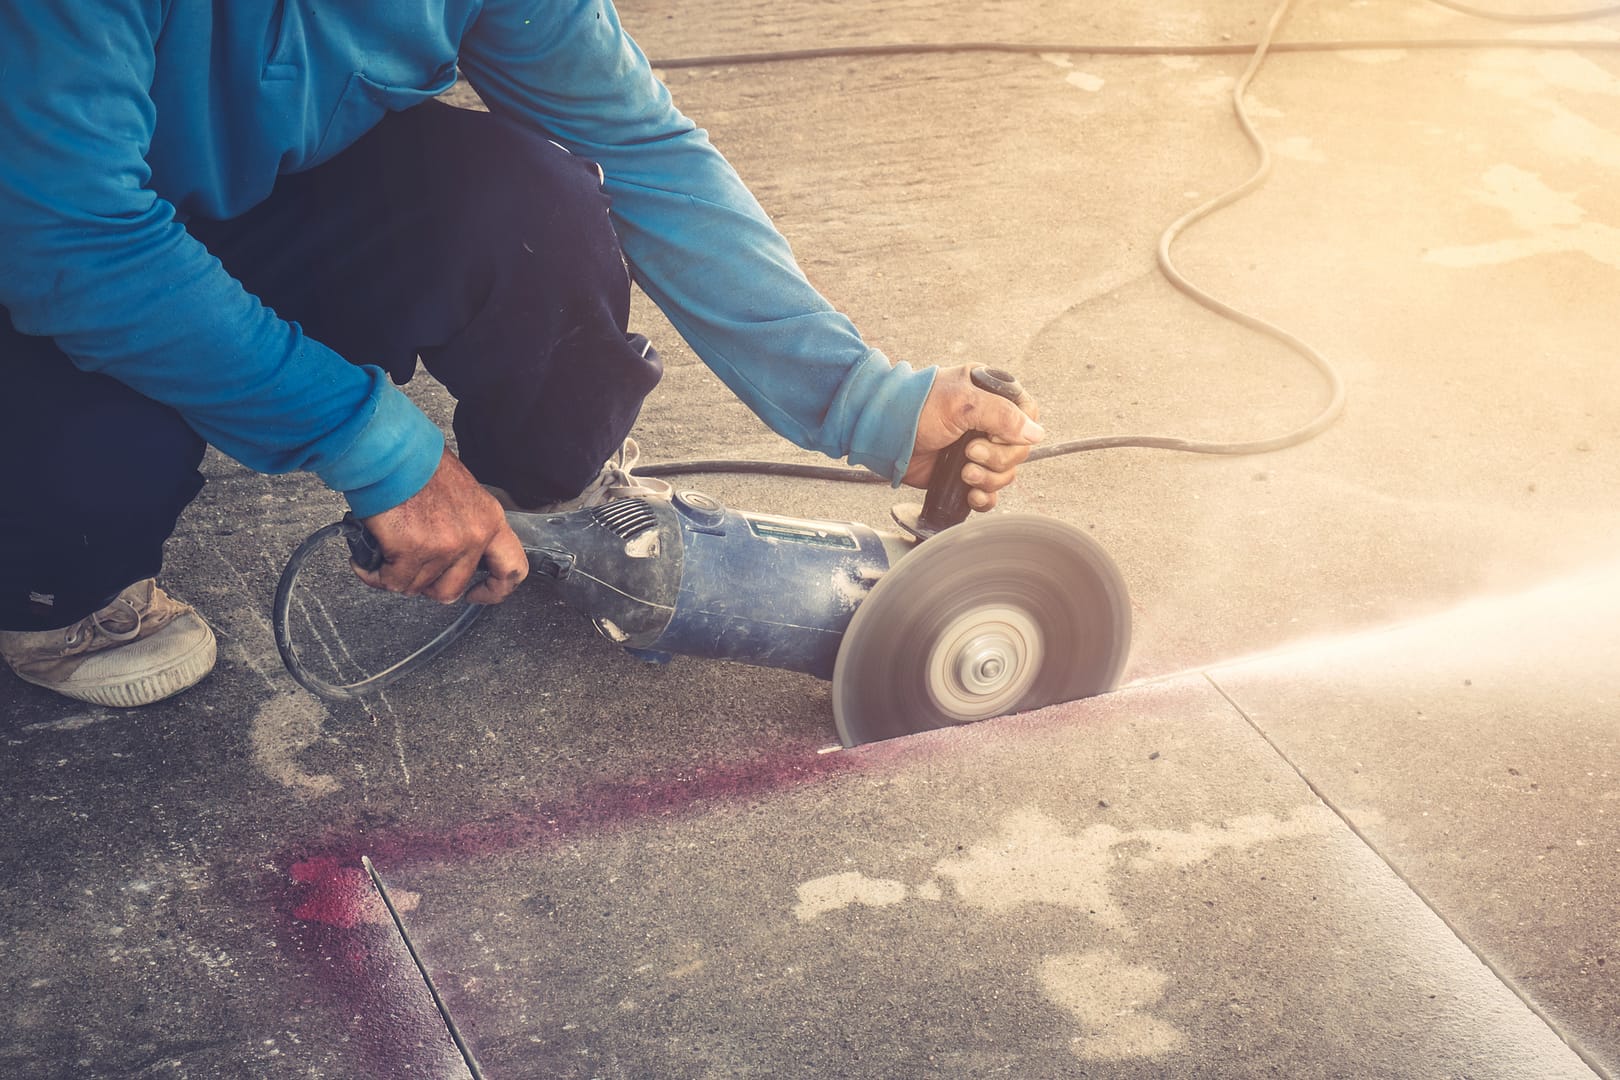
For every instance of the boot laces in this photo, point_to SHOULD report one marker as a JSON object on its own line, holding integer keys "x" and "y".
{"x": 87, "y": 629}
{"x": 618, "y": 479}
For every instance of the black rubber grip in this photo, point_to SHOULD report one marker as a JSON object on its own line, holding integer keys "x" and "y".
{"x": 946, "y": 502}
{"x": 364, "y": 551}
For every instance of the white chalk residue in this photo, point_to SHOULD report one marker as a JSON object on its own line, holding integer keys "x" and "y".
{"x": 284, "y": 726}
{"x": 1543, "y": 82}
{"x": 821, "y": 895}
{"x": 1033, "y": 859}
{"x": 75, "y": 722}
{"x": 1089, "y": 83}
{"x": 1298, "y": 148}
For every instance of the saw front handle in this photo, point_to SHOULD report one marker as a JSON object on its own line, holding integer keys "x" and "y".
{"x": 946, "y": 503}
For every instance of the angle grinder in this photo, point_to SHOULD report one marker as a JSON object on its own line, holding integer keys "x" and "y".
{"x": 943, "y": 622}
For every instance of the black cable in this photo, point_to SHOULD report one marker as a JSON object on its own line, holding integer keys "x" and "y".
{"x": 1320, "y": 422}
{"x": 1258, "y": 50}
{"x": 281, "y": 628}
{"x": 762, "y": 468}
{"x": 1329, "y": 412}
{"x": 1019, "y": 48}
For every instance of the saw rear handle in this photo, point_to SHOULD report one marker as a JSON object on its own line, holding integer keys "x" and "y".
{"x": 363, "y": 549}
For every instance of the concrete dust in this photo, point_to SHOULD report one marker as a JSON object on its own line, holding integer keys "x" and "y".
{"x": 1485, "y": 634}
{"x": 283, "y": 726}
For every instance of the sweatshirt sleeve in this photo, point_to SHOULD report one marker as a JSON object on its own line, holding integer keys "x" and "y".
{"x": 96, "y": 260}
{"x": 697, "y": 241}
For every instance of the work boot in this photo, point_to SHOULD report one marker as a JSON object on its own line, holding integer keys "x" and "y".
{"x": 141, "y": 648}
{"x": 616, "y": 480}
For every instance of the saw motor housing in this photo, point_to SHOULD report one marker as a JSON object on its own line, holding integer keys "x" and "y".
{"x": 687, "y": 575}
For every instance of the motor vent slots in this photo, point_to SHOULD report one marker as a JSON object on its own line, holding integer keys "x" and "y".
{"x": 627, "y": 517}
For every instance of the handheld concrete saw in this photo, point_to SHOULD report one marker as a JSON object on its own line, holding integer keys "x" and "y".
{"x": 944, "y": 622}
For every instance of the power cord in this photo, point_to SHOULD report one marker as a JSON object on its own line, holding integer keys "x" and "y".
{"x": 1331, "y": 411}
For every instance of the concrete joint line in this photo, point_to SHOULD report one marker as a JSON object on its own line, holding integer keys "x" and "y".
{"x": 1580, "y": 1051}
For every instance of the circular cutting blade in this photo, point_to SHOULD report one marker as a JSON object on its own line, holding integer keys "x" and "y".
{"x": 992, "y": 617}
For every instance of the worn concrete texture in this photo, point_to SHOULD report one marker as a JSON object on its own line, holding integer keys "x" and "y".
{"x": 945, "y": 907}
{"x": 1382, "y": 845}
{"x": 1476, "y": 751}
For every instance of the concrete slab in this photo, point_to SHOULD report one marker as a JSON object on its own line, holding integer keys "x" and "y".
{"x": 1441, "y": 225}
{"x": 1476, "y": 751}
{"x": 1161, "y": 896}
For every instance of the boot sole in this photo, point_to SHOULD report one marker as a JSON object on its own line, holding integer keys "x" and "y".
{"x": 185, "y": 672}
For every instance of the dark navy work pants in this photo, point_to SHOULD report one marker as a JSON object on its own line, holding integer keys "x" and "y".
{"x": 446, "y": 234}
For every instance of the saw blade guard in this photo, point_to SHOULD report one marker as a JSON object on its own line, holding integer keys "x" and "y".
{"x": 1000, "y": 616}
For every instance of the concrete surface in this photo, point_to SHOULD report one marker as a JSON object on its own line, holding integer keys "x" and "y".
{"x": 1376, "y": 838}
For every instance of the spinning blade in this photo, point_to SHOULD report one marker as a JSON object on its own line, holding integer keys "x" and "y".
{"x": 988, "y": 618}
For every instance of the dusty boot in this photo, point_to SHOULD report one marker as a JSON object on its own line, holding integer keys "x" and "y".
{"x": 141, "y": 648}
{"x": 617, "y": 480}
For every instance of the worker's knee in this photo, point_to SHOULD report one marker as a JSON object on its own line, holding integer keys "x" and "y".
{"x": 554, "y": 227}
{"x": 521, "y": 216}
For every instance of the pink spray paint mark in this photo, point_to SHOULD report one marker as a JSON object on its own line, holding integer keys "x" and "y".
{"x": 343, "y": 896}
{"x": 334, "y": 918}
{"x": 327, "y": 868}
{"x": 338, "y": 895}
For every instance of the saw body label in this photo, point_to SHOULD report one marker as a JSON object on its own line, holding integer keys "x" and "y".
{"x": 795, "y": 531}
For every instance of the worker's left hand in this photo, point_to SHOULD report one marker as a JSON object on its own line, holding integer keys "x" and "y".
{"x": 953, "y": 408}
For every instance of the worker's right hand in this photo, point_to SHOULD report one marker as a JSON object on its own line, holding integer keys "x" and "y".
{"x": 433, "y": 542}
{"x": 956, "y": 406}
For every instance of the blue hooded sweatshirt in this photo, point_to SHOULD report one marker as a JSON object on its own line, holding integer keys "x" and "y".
{"x": 121, "y": 118}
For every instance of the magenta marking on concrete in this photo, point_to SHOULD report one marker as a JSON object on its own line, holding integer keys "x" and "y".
{"x": 326, "y": 869}
{"x": 333, "y": 919}
{"x": 376, "y": 999}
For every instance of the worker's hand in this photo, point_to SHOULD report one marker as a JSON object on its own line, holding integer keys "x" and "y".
{"x": 433, "y": 542}
{"x": 954, "y": 407}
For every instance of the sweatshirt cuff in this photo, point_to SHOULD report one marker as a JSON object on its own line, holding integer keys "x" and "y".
{"x": 393, "y": 457}
{"x": 879, "y": 406}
